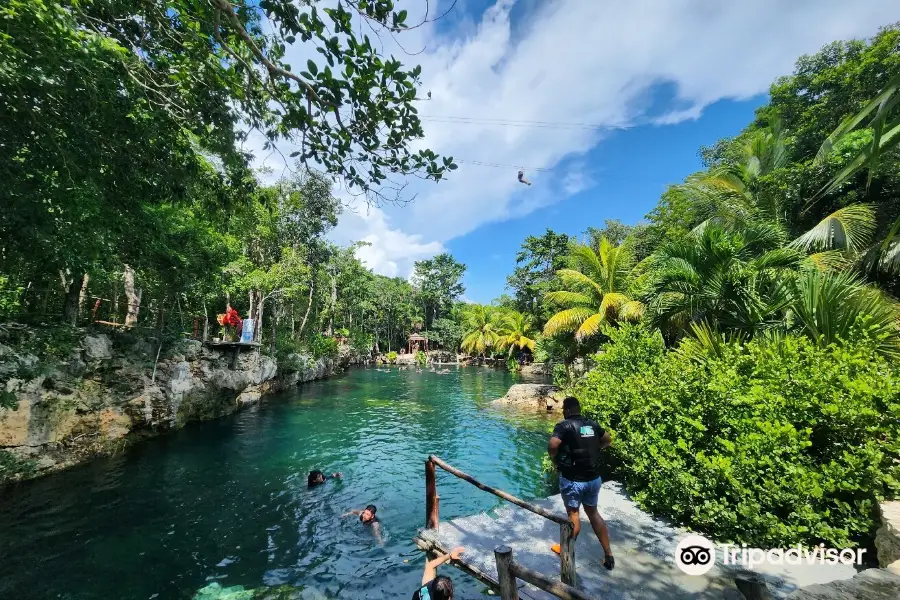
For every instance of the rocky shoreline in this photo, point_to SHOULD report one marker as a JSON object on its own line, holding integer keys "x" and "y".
{"x": 110, "y": 391}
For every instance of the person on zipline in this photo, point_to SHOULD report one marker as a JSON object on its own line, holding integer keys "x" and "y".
{"x": 575, "y": 448}
{"x": 434, "y": 586}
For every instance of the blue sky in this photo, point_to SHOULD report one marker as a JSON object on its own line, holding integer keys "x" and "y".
{"x": 660, "y": 79}
{"x": 640, "y": 163}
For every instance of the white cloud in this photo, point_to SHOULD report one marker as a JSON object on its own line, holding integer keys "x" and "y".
{"x": 389, "y": 251}
{"x": 578, "y": 61}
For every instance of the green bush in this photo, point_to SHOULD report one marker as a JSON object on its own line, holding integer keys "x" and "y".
{"x": 9, "y": 298}
{"x": 391, "y": 357}
{"x": 14, "y": 468}
{"x": 421, "y": 358}
{"x": 322, "y": 346}
{"x": 767, "y": 443}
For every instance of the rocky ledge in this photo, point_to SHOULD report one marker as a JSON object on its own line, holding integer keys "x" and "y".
{"x": 111, "y": 391}
{"x": 537, "y": 396}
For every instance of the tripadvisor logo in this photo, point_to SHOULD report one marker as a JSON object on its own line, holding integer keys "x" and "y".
{"x": 696, "y": 555}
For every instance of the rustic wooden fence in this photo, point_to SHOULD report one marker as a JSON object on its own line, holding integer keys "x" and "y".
{"x": 507, "y": 569}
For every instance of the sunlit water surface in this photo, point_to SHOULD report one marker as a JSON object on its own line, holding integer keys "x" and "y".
{"x": 226, "y": 501}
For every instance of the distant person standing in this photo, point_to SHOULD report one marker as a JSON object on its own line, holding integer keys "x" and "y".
{"x": 575, "y": 448}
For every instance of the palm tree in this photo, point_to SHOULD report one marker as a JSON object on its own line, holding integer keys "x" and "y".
{"x": 597, "y": 290}
{"x": 729, "y": 193}
{"x": 885, "y": 135}
{"x": 731, "y": 279}
{"x": 480, "y": 329}
{"x": 516, "y": 331}
{"x": 829, "y": 306}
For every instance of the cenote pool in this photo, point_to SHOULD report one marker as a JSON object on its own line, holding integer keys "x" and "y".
{"x": 226, "y": 501}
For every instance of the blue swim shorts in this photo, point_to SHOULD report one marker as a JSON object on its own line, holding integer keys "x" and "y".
{"x": 576, "y": 493}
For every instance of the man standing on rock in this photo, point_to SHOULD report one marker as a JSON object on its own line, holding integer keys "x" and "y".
{"x": 575, "y": 448}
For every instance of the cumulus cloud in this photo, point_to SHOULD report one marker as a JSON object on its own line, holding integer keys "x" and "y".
{"x": 577, "y": 61}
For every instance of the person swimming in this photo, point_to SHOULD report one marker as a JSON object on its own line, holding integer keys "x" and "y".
{"x": 317, "y": 477}
{"x": 367, "y": 517}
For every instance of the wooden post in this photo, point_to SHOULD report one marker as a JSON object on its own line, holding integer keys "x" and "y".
{"x": 566, "y": 554}
{"x": 505, "y": 577}
{"x": 432, "y": 500}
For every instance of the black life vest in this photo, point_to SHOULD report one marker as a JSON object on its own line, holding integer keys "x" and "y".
{"x": 579, "y": 454}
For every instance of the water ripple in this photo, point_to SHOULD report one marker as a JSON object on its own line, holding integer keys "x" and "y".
{"x": 227, "y": 500}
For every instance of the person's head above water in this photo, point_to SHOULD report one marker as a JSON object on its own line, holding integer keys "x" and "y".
{"x": 368, "y": 514}
{"x": 571, "y": 407}
{"x": 315, "y": 478}
{"x": 439, "y": 588}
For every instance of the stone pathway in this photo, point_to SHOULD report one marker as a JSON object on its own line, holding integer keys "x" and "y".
{"x": 644, "y": 548}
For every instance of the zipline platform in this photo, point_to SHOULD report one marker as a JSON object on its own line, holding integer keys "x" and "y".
{"x": 644, "y": 549}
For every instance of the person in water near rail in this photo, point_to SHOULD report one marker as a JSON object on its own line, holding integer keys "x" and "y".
{"x": 434, "y": 586}
{"x": 318, "y": 478}
{"x": 575, "y": 448}
{"x": 367, "y": 517}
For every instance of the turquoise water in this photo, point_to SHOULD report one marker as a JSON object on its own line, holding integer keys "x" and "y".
{"x": 226, "y": 501}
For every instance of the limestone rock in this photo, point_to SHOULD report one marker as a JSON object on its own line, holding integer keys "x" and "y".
{"x": 69, "y": 410}
{"x": 14, "y": 424}
{"x": 536, "y": 370}
{"x": 871, "y": 584}
{"x": 532, "y": 395}
{"x": 97, "y": 347}
{"x": 887, "y": 538}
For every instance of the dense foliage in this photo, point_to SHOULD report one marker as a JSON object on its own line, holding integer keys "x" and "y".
{"x": 129, "y": 194}
{"x": 768, "y": 443}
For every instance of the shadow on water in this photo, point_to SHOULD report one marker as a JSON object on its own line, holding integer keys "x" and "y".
{"x": 226, "y": 501}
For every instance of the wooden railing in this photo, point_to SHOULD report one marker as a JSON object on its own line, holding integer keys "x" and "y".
{"x": 509, "y": 570}
{"x": 566, "y": 539}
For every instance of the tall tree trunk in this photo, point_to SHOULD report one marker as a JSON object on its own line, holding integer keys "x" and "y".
{"x": 70, "y": 305}
{"x": 256, "y": 308}
{"x": 274, "y": 320}
{"x": 115, "y": 302}
{"x": 306, "y": 314}
{"x": 257, "y": 329}
{"x": 133, "y": 295}
{"x": 205, "y": 323}
{"x": 333, "y": 304}
{"x": 82, "y": 294}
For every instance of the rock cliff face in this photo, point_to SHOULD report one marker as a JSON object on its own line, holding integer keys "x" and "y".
{"x": 106, "y": 394}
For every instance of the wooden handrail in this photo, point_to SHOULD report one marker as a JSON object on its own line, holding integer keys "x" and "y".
{"x": 499, "y": 493}
{"x": 509, "y": 570}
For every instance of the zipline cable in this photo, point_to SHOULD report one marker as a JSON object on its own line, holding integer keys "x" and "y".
{"x": 520, "y": 123}
{"x": 501, "y": 166}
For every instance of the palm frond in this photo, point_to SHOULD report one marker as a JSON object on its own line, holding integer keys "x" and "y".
{"x": 829, "y": 306}
{"x": 828, "y": 260}
{"x": 573, "y": 278}
{"x": 632, "y": 311}
{"x": 849, "y": 228}
{"x": 590, "y": 327}
{"x": 850, "y": 123}
{"x": 565, "y": 298}
{"x": 567, "y": 321}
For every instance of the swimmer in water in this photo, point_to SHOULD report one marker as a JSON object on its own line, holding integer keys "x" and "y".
{"x": 367, "y": 517}
{"x": 318, "y": 478}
